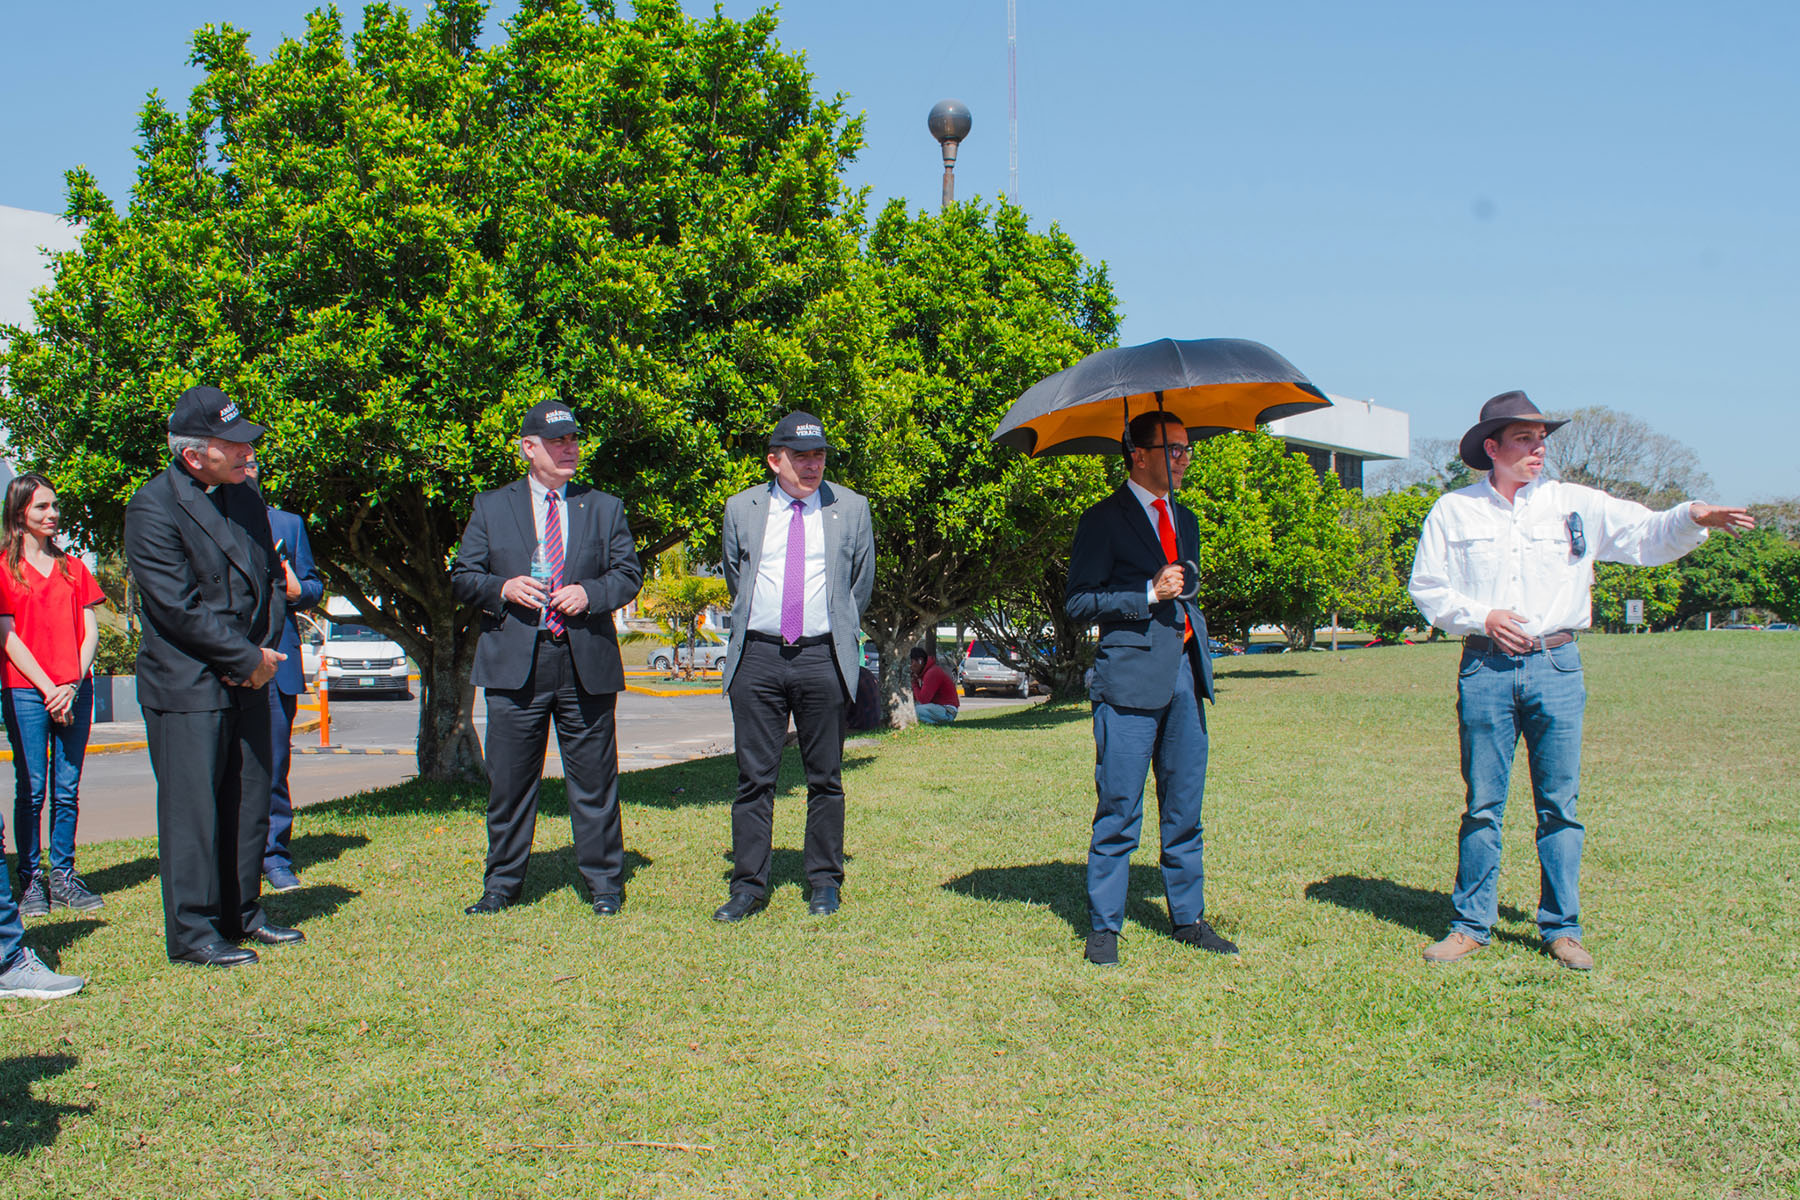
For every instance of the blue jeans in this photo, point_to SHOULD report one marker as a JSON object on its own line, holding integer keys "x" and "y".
{"x": 42, "y": 748}
{"x": 1500, "y": 697}
{"x": 12, "y": 929}
{"x": 935, "y": 714}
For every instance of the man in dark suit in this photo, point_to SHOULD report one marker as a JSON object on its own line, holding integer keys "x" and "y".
{"x": 209, "y": 590}
{"x": 1151, "y": 670}
{"x": 303, "y": 588}
{"x": 549, "y": 649}
{"x": 799, "y": 558}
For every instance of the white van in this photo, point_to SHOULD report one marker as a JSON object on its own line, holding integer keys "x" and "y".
{"x": 355, "y": 658}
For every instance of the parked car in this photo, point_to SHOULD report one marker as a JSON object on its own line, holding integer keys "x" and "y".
{"x": 1782, "y": 626}
{"x": 355, "y": 658}
{"x": 312, "y": 636}
{"x": 982, "y": 668}
{"x": 1737, "y": 625}
{"x": 708, "y": 653}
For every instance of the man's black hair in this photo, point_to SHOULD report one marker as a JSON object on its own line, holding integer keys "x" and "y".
{"x": 918, "y": 654}
{"x": 1145, "y": 424}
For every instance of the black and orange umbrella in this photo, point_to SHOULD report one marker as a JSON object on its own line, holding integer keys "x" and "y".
{"x": 1212, "y": 385}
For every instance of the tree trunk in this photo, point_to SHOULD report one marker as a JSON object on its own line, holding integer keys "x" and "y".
{"x": 895, "y": 648}
{"x": 448, "y": 746}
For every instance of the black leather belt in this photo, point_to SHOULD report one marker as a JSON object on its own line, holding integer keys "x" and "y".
{"x": 757, "y": 635}
{"x": 545, "y": 635}
{"x": 1549, "y": 641}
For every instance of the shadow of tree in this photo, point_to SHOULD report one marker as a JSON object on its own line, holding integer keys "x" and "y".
{"x": 314, "y": 849}
{"x": 1062, "y": 887}
{"x": 309, "y": 903}
{"x": 1036, "y": 716}
{"x": 786, "y": 866}
{"x": 1261, "y": 673}
{"x": 1423, "y": 910}
{"x": 551, "y": 871}
{"x": 51, "y": 938}
{"x": 28, "y": 1124}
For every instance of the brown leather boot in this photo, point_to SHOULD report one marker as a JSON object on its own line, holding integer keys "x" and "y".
{"x": 1454, "y": 948}
{"x": 1571, "y": 954}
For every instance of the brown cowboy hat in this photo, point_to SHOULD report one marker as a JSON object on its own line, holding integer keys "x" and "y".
{"x": 1505, "y": 409}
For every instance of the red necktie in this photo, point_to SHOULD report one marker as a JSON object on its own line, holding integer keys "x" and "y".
{"x": 553, "y": 550}
{"x": 1166, "y": 531}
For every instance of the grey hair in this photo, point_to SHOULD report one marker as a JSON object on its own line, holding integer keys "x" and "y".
{"x": 182, "y": 441}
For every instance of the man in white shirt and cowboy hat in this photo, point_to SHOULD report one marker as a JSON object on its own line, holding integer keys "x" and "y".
{"x": 1508, "y": 563}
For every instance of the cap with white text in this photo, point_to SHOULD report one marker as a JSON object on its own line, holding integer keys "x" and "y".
{"x": 799, "y": 431}
{"x": 549, "y": 419}
{"x": 209, "y": 413}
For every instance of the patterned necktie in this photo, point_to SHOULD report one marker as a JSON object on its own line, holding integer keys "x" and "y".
{"x": 793, "y": 583}
{"x": 553, "y": 550}
{"x": 1166, "y": 531}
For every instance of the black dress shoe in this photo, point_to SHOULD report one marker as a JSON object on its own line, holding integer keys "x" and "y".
{"x": 276, "y": 935}
{"x": 1201, "y": 934}
{"x": 608, "y": 904}
{"x": 217, "y": 954}
{"x": 490, "y": 902}
{"x": 741, "y": 905}
{"x": 1103, "y": 948}
{"x": 824, "y": 902}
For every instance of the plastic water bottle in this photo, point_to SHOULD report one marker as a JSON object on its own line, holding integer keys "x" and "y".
{"x": 540, "y": 568}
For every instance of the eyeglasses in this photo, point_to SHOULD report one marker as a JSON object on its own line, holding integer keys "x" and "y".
{"x": 1175, "y": 449}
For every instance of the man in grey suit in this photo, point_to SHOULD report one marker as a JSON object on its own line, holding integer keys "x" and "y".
{"x": 799, "y": 558}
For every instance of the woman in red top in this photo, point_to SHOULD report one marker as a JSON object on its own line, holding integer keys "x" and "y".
{"x": 49, "y": 632}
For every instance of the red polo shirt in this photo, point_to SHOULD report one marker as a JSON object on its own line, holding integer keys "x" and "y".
{"x": 936, "y": 687}
{"x": 47, "y": 615}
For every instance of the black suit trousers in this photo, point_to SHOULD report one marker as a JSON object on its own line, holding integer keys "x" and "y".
{"x": 518, "y": 730}
{"x": 212, "y": 818}
{"x": 771, "y": 682}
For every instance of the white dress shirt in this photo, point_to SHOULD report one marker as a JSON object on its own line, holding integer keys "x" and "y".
{"x": 1148, "y": 499}
{"x": 1478, "y": 553}
{"x": 538, "y": 506}
{"x": 771, "y": 569}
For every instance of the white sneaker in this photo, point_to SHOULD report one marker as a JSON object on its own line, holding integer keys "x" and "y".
{"x": 29, "y": 979}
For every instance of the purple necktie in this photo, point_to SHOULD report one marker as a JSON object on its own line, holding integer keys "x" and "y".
{"x": 793, "y": 583}
{"x": 553, "y": 550}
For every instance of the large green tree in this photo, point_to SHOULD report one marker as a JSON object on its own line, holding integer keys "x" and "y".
{"x": 1384, "y": 532}
{"x": 1272, "y": 548}
{"x": 388, "y": 250}
{"x": 961, "y": 312}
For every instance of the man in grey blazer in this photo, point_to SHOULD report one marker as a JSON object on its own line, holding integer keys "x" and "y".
{"x": 799, "y": 558}
{"x": 549, "y": 651}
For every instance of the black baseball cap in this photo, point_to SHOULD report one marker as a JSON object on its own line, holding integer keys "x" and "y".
{"x": 549, "y": 418}
{"x": 209, "y": 413}
{"x": 799, "y": 431}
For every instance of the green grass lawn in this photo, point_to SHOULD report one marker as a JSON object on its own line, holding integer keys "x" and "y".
{"x": 941, "y": 1036}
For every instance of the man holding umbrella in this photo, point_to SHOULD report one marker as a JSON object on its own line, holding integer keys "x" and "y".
{"x": 1129, "y": 572}
{"x": 1508, "y": 563}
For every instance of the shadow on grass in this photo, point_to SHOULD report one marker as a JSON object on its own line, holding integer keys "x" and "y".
{"x": 1036, "y": 716}
{"x": 1421, "y": 909}
{"x": 121, "y": 876}
{"x": 315, "y": 849}
{"x": 786, "y": 865}
{"x": 1062, "y": 887}
{"x": 551, "y": 871}
{"x": 1263, "y": 673}
{"x": 309, "y": 903}
{"x": 27, "y": 1124}
{"x": 50, "y": 940}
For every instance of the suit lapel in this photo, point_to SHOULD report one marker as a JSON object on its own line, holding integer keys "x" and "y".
{"x": 577, "y": 514}
{"x": 520, "y": 503}
{"x": 755, "y": 528}
{"x": 1139, "y": 521}
{"x": 198, "y": 505}
{"x": 832, "y": 518}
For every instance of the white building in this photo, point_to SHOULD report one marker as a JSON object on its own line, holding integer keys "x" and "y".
{"x": 1340, "y": 439}
{"x": 24, "y": 235}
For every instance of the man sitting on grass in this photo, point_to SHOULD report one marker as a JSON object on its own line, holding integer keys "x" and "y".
{"x": 934, "y": 692}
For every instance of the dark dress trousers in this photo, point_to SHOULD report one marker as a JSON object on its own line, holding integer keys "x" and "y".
{"x": 1146, "y": 691}
{"x": 532, "y": 678}
{"x": 209, "y": 591}
{"x": 766, "y": 682}
{"x": 290, "y": 680}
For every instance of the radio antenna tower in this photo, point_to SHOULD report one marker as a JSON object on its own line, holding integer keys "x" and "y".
{"x": 1012, "y": 98}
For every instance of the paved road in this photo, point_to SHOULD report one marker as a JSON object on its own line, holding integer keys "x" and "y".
{"x": 118, "y": 790}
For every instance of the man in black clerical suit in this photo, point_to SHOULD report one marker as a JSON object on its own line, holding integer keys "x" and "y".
{"x": 549, "y": 649}
{"x": 210, "y": 592}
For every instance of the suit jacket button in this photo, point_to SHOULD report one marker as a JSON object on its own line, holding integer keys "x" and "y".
{"x": 215, "y": 579}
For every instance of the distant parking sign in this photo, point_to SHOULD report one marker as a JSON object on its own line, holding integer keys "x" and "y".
{"x": 1634, "y": 612}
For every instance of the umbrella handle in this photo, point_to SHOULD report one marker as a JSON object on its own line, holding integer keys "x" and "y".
{"x": 1190, "y": 570}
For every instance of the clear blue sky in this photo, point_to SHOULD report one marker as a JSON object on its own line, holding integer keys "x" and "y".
{"x": 1422, "y": 204}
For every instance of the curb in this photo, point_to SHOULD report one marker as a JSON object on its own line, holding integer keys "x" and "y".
{"x": 305, "y": 726}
